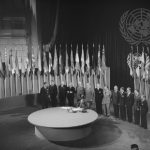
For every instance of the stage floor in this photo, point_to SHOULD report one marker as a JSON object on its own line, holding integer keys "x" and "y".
{"x": 17, "y": 133}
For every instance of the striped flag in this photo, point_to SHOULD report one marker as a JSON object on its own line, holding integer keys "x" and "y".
{"x": 82, "y": 60}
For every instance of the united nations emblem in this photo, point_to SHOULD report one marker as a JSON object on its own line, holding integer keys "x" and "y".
{"x": 135, "y": 26}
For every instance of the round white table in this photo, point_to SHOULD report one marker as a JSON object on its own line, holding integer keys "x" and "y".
{"x": 57, "y": 124}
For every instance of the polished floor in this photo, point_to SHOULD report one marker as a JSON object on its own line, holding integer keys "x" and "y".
{"x": 107, "y": 133}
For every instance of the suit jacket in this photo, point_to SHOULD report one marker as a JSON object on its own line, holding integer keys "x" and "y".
{"x": 62, "y": 92}
{"x": 129, "y": 100}
{"x": 144, "y": 107}
{"x": 98, "y": 94}
{"x": 115, "y": 97}
{"x": 53, "y": 91}
{"x": 122, "y": 99}
{"x": 44, "y": 93}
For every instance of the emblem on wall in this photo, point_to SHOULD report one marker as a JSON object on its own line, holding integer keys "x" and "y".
{"x": 135, "y": 26}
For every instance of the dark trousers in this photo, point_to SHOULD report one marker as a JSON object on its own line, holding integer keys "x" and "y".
{"x": 122, "y": 112}
{"x": 99, "y": 106}
{"x": 137, "y": 116}
{"x": 62, "y": 101}
{"x": 54, "y": 101}
{"x": 116, "y": 110}
{"x": 70, "y": 101}
{"x": 129, "y": 113}
{"x": 144, "y": 120}
{"x": 45, "y": 103}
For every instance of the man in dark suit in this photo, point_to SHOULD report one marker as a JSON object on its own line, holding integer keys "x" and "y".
{"x": 122, "y": 103}
{"x": 129, "y": 104}
{"x": 98, "y": 98}
{"x": 53, "y": 94}
{"x": 136, "y": 106}
{"x": 70, "y": 94}
{"x": 62, "y": 94}
{"x": 144, "y": 111}
{"x": 115, "y": 101}
{"x": 44, "y": 96}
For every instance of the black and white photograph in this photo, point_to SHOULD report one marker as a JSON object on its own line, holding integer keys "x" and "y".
{"x": 74, "y": 75}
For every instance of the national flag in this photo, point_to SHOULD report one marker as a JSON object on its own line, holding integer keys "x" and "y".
{"x": 23, "y": 64}
{"x": 39, "y": 61}
{"x": 10, "y": 65}
{"x": 72, "y": 61}
{"x": 129, "y": 62}
{"x": 77, "y": 60}
{"x": 103, "y": 57}
{"x": 50, "y": 62}
{"x": 16, "y": 64}
{"x": 94, "y": 59}
{"x": 66, "y": 67}
{"x": 55, "y": 62}
{"x": 82, "y": 60}
{"x": 33, "y": 61}
{"x": 87, "y": 59}
{"x": 6, "y": 72}
{"x": 45, "y": 63}
{"x": 33, "y": 7}
{"x": 1, "y": 67}
{"x": 61, "y": 69}
{"x": 99, "y": 60}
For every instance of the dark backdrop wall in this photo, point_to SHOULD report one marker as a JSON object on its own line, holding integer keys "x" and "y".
{"x": 91, "y": 22}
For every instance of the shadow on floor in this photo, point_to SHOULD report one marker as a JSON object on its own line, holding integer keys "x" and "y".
{"x": 104, "y": 131}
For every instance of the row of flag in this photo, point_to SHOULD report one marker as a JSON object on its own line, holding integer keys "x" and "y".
{"x": 60, "y": 62}
{"x": 139, "y": 64}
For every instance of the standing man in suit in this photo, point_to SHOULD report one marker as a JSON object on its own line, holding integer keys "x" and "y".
{"x": 144, "y": 111}
{"x": 70, "y": 94}
{"x": 129, "y": 104}
{"x": 44, "y": 96}
{"x": 98, "y": 98}
{"x": 53, "y": 94}
{"x": 136, "y": 106}
{"x": 62, "y": 94}
{"x": 115, "y": 101}
{"x": 122, "y": 103}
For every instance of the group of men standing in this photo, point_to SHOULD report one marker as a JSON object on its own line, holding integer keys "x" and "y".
{"x": 128, "y": 106}
{"x": 52, "y": 96}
